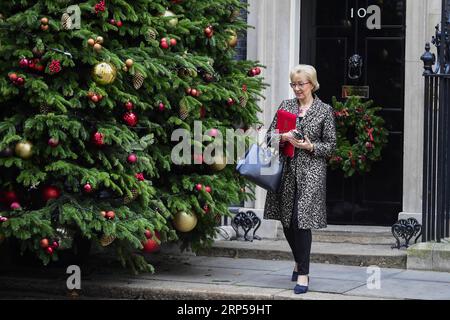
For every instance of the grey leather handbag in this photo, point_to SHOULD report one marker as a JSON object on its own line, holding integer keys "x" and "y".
{"x": 263, "y": 166}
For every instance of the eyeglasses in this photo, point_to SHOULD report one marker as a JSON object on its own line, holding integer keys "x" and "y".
{"x": 301, "y": 85}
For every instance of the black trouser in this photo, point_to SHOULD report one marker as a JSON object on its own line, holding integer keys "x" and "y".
{"x": 299, "y": 240}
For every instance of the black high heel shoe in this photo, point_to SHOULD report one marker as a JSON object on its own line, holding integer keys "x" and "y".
{"x": 298, "y": 289}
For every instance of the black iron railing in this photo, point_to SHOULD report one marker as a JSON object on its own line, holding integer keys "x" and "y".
{"x": 436, "y": 149}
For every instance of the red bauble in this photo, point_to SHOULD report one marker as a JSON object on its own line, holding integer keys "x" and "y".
{"x": 130, "y": 119}
{"x": 53, "y": 142}
{"x": 257, "y": 70}
{"x": 209, "y": 32}
{"x": 13, "y": 77}
{"x": 44, "y": 243}
{"x": 189, "y": 91}
{"x": 132, "y": 158}
{"x": 50, "y": 193}
{"x": 55, "y": 244}
{"x": 40, "y": 68}
{"x": 213, "y": 132}
{"x": 208, "y": 189}
{"x": 230, "y": 101}
{"x": 110, "y": 215}
{"x": 112, "y": 21}
{"x": 253, "y": 72}
{"x": 173, "y": 42}
{"x": 198, "y": 187}
{"x": 161, "y": 107}
{"x": 129, "y": 106}
{"x": 164, "y": 43}
{"x": 87, "y": 188}
{"x": 49, "y": 250}
{"x": 140, "y": 176}
{"x": 97, "y": 138}
{"x": 15, "y": 206}
{"x": 150, "y": 246}
{"x": 119, "y": 24}
{"x": 23, "y": 63}
{"x": 205, "y": 208}
{"x": 9, "y": 197}
{"x": 95, "y": 98}
{"x": 20, "y": 81}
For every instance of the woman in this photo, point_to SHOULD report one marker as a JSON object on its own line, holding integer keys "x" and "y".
{"x": 300, "y": 202}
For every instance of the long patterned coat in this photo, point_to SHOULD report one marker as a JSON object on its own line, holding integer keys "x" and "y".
{"x": 307, "y": 169}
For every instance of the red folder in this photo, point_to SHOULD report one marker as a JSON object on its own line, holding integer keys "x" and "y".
{"x": 286, "y": 122}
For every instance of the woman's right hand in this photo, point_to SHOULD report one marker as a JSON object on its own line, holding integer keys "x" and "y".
{"x": 288, "y": 136}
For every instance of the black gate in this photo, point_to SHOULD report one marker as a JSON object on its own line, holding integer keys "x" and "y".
{"x": 332, "y": 32}
{"x": 436, "y": 171}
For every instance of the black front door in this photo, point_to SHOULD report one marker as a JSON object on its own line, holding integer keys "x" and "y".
{"x": 333, "y": 31}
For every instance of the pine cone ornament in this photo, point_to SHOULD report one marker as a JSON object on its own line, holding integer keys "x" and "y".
{"x": 107, "y": 240}
{"x": 44, "y": 109}
{"x": 66, "y": 21}
{"x": 128, "y": 199}
{"x": 151, "y": 34}
{"x": 235, "y": 13}
{"x": 183, "y": 73}
{"x": 218, "y": 219}
{"x": 243, "y": 101}
{"x": 138, "y": 80}
{"x": 184, "y": 111}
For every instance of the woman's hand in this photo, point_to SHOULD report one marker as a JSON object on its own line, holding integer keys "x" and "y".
{"x": 301, "y": 144}
{"x": 288, "y": 136}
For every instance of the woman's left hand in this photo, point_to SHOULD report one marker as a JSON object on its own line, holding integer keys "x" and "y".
{"x": 303, "y": 144}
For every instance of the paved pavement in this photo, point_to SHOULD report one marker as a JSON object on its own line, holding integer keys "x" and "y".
{"x": 194, "y": 277}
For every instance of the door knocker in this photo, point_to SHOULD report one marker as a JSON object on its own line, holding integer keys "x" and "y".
{"x": 355, "y": 64}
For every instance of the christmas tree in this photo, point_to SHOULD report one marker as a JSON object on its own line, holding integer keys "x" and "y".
{"x": 90, "y": 94}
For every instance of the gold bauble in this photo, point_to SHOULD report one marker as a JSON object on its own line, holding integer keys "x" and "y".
{"x": 232, "y": 39}
{"x": 104, "y": 73}
{"x": 98, "y": 47}
{"x": 129, "y": 63}
{"x": 172, "y": 22}
{"x": 185, "y": 222}
{"x": 24, "y": 149}
{"x": 219, "y": 164}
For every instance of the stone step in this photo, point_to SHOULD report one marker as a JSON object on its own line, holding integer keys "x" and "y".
{"x": 321, "y": 252}
{"x": 351, "y": 234}
{"x": 30, "y": 289}
{"x": 355, "y": 234}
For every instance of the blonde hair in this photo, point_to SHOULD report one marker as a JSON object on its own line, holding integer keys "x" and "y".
{"x": 310, "y": 73}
